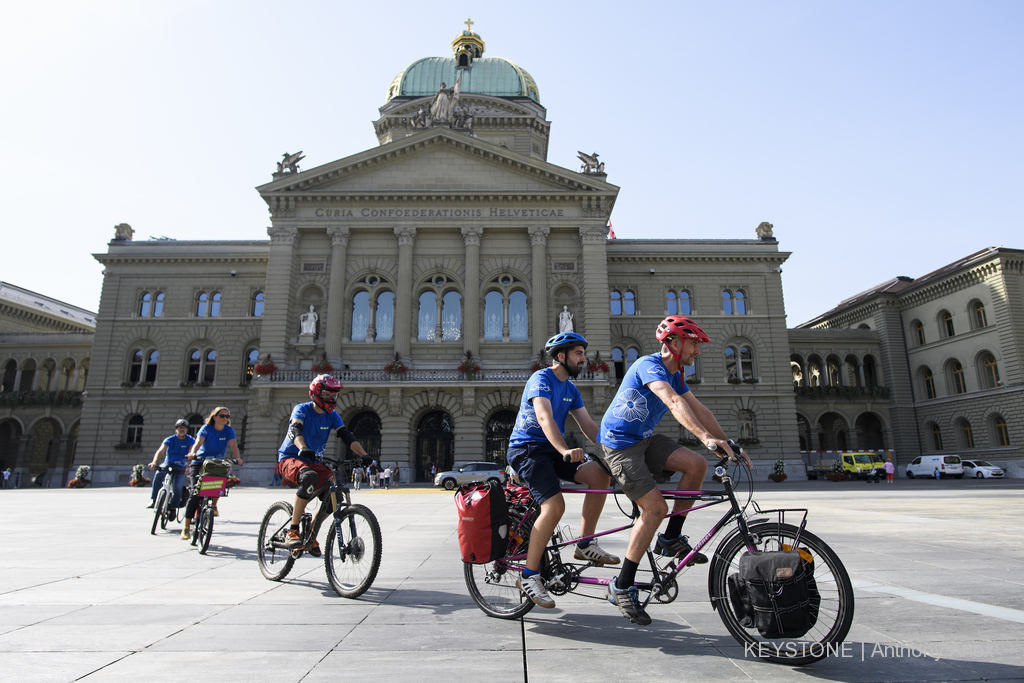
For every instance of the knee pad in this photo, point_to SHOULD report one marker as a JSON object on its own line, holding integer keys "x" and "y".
{"x": 306, "y": 484}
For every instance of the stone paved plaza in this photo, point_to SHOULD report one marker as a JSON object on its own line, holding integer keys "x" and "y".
{"x": 86, "y": 593}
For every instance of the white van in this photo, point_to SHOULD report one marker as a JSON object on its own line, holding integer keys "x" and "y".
{"x": 949, "y": 466}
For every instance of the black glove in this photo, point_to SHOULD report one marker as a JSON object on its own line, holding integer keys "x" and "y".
{"x": 307, "y": 454}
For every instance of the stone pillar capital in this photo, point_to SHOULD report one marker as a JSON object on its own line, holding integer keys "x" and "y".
{"x": 539, "y": 234}
{"x": 283, "y": 235}
{"x": 406, "y": 236}
{"x": 593, "y": 235}
{"x": 471, "y": 236}
{"x": 339, "y": 236}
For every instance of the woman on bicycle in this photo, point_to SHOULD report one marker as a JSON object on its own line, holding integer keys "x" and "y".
{"x": 214, "y": 440}
{"x": 175, "y": 448}
{"x": 311, "y": 425}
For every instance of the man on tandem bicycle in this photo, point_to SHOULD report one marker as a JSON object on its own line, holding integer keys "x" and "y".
{"x": 635, "y": 455}
{"x": 311, "y": 425}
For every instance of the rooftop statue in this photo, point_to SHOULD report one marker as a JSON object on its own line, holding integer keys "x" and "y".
{"x": 420, "y": 120}
{"x": 764, "y": 231}
{"x": 445, "y": 100}
{"x": 590, "y": 163}
{"x": 290, "y": 162}
{"x": 123, "y": 231}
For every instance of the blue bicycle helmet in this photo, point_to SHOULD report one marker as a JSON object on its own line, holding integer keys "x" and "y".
{"x": 563, "y": 340}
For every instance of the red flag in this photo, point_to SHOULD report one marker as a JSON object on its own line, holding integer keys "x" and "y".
{"x": 611, "y": 230}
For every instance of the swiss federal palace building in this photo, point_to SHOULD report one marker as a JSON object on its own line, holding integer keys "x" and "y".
{"x": 426, "y": 274}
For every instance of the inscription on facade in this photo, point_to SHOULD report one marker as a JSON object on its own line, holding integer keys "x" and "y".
{"x": 563, "y": 266}
{"x": 313, "y": 267}
{"x": 492, "y": 212}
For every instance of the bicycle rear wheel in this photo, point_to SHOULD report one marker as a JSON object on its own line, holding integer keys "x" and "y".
{"x": 275, "y": 563}
{"x": 835, "y": 610}
{"x": 493, "y": 585}
{"x": 205, "y": 529}
{"x": 158, "y": 511}
{"x": 352, "y": 557}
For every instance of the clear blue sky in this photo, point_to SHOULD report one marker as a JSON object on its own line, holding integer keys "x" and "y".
{"x": 880, "y": 138}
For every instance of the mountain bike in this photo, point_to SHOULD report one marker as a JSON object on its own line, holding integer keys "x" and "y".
{"x": 745, "y": 528}
{"x": 163, "y": 513}
{"x": 352, "y": 550}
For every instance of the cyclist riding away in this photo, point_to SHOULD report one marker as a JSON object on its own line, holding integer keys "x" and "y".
{"x": 213, "y": 441}
{"x": 311, "y": 425}
{"x": 536, "y": 450}
{"x": 635, "y": 455}
{"x": 175, "y": 448}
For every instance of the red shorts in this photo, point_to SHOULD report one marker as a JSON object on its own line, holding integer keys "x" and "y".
{"x": 289, "y": 469}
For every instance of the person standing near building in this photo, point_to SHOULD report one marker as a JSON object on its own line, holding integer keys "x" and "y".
{"x": 890, "y": 471}
{"x": 537, "y": 452}
{"x": 174, "y": 449}
{"x": 387, "y": 477}
{"x": 7, "y": 476}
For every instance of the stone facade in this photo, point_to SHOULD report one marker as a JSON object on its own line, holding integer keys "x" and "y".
{"x": 950, "y": 350}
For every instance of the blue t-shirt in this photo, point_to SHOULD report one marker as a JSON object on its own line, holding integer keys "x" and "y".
{"x": 316, "y": 428}
{"x": 216, "y": 443}
{"x": 636, "y": 410}
{"x": 177, "y": 449}
{"x": 564, "y": 397}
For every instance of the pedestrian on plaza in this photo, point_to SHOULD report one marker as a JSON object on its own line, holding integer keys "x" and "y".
{"x": 372, "y": 474}
{"x": 381, "y": 478}
{"x": 387, "y": 477}
{"x": 357, "y": 477}
{"x": 890, "y": 471}
{"x": 394, "y": 475}
{"x": 277, "y": 478}
{"x": 938, "y": 475}
{"x": 433, "y": 472}
{"x": 17, "y": 480}
{"x": 7, "y": 475}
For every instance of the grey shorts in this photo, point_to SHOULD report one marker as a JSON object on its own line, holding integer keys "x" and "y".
{"x": 634, "y": 468}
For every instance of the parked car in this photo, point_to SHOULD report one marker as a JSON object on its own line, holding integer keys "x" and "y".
{"x": 473, "y": 471}
{"x": 924, "y": 466}
{"x": 982, "y": 469}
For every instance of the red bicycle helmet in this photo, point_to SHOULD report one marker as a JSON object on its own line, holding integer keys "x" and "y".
{"x": 682, "y": 327}
{"x": 324, "y": 392}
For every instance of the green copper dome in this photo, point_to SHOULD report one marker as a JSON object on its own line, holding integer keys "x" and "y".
{"x": 487, "y": 76}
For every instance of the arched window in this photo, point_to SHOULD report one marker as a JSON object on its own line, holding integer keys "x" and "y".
{"x": 685, "y": 303}
{"x": 747, "y": 362}
{"x": 210, "y": 366}
{"x": 257, "y": 304}
{"x": 158, "y": 305}
{"x": 870, "y": 371}
{"x": 619, "y": 363}
{"x": 628, "y": 303}
{"x": 730, "y": 363}
{"x": 518, "y": 323}
{"x": 135, "y": 366}
{"x": 252, "y": 356}
{"x": 202, "y": 301}
{"x": 143, "y": 365}
{"x": 966, "y": 434}
{"x": 28, "y": 375}
{"x": 978, "y": 315}
{"x": 451, "y": 316}
{"x": 740, "y": 302}
{"x": 493, "y": 316}
{"x": 936, "y": 437}
{"x": 814, "y": 372}
{"x": 616, "y": 303}
{"x": 195, "y": 423}
{"x": 499, "y": 429}
{"x": 427, "y": 316}
{"x": 10, "y": 373}
{"x": 918, "y": 332}
{"x": 133, "y": 429}
{"x": 990, "y": 371}
{"x": 147, "y": 300}
{"x": 366, "y": 428}
{"x": 1000, "y": 431}
{"x": 670, "y": 303}
{"x": 360, "y": 316}
{"x": 747, "y": 424}
{"x": 195, "y": 362}
{"x": 946, "y": 324}
{"x": 796, "y": 368}
{"x": 215, "y": 305}
{"x": 739, "y": 362}
{"x": 956, "y": 374}
{"x": 385, "y": 316}
{"x": 632, "y": 353}
{"x": 726, "y": 302}
{"x": 201, "y": 366}
{"x": 928, "y": 379}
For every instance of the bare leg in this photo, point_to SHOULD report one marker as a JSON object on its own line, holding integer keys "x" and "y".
{"x": 594, "y": 477}
{"x": 693, "y": 467}
{"x": 298, "y": 509}
{"x": 551, "y": 510}
{"x": 652, "y": 510}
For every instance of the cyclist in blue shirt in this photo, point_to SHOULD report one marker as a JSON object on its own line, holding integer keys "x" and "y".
{"x": 175, "y": 448}
{"x": 635, "y": 455}
{"x": 298, "y": 458}
{"x": 536, "y": 449}
{"x": 213, "y": 441}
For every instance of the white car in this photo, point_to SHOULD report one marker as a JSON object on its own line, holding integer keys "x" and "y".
{"x": 473, "y": 471}
{"x": 982, "y": 469}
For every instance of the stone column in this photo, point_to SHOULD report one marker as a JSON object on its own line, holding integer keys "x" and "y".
{"x": 404, "y": 294}
{"x": 336, "y": 308}
{"x": 860, "y": 371}
{"x": 275, "y": 334}
{"x": 595, "y": 291}
{"x": 471, "y": 301}
{"x": 539, "y": 240}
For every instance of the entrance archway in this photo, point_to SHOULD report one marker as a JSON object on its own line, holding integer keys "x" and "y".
{"x": 435, "y": 443}
{"x": 870, "y": 433}
{"x": 365, "y": 426}
{"x": 499, "y": 429}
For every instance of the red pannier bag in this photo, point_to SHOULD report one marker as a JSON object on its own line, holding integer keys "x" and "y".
{"x": 483, "y": 522}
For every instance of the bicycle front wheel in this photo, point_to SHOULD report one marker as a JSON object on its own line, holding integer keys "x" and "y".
{"x": 158, "y": 511}
{"x": 205, "y": 529}
{"x": 493, "y": 585}
{"x": 831, "y": 583}
{"x": 352, "y": 557}
{"x": 275, "y": 562}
